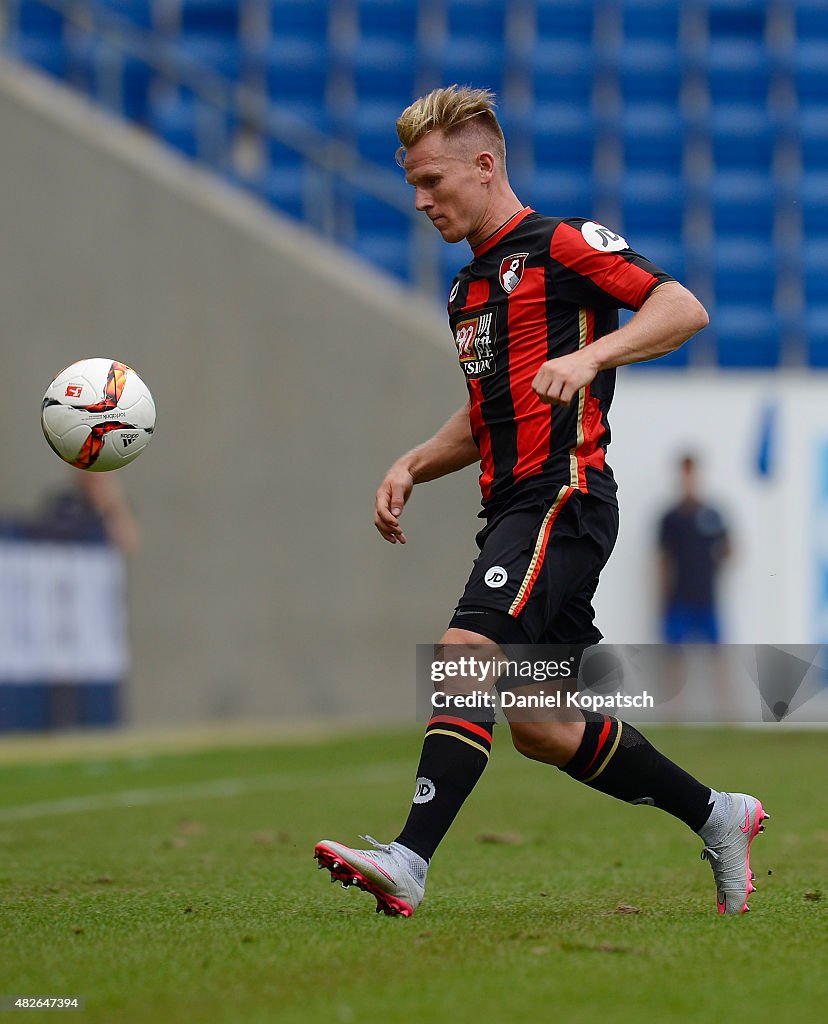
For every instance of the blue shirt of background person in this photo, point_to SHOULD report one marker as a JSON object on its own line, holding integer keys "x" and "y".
{"x": 693, "y": 541}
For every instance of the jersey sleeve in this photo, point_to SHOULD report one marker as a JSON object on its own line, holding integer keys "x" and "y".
{"x": 593, "y": 266}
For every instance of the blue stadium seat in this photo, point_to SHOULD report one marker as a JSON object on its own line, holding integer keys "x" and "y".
{"x": 816, "y": 326}
{"x": 557, "y": 194}
{"x": 744, "y": 273}
{"x": 371, "y": 128}
{"x": 738, "y": 71}
{"x": 647, "y": 70}
{"x": 815, "y": 205}
{"x": 372, "y": 216}
{"x": 747, "y": 336}
{"x": 303, "y": 19}
{"x": 811, "y": 62}
{"x": 563, "y": 139}
{"x": 562, "y": 72}
{"x": 476, "y": 20}
{"x": 667, "y": 253}
{"x": 284, "y": 189}
{"x": 811, "y": 19}
{"x": 652, "y": 203}
{"x": 743, "y": 205}
{"x": 35, "y": 19}
{"x": 742, "y": 138}
{"x": 385, "y": 71}
{"x": 652, "y": 138}
{"x": 383, "y": 21}
{"x": 815, "y": 265}
{"x": 477, "y": 62}
{"x": 38, "y": 38}
{"x": 737, "y": 19}
{"x": 813, "y": 134}
{"x": 572, "y": 20}
{"x": 210, "y": 17}
{"x": 387, "y": 250}
{"x": 650, "y": 19}
{"x": 296, "y": 70}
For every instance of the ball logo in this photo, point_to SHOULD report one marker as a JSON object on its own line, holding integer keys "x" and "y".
{"x": 74, "y": 390}
{"x": 602, "y": 238}
{"x": 495, "y": 577}
{"x": 424, "y": 790}
{"x": 511, "y": 271}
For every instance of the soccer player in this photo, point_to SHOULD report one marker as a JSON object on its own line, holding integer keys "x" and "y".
{"x": 535, "y": 321}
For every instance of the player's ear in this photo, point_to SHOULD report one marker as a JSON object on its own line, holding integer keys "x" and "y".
{"x": 486, "y": 166}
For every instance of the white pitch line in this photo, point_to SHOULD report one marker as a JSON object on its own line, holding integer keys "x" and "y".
{"x": 196, "y": 790}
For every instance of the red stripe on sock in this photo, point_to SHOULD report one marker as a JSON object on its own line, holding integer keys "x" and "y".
{"x": 602, "y": 739}
{"x": 470, "y": 726}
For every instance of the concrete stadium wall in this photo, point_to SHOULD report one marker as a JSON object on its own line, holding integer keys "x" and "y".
{"x": 286, "y": 380}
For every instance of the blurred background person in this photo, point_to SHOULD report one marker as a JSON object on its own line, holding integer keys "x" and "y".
{"x": 694, "y": 544}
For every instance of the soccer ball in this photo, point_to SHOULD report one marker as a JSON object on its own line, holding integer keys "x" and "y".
{"x": 98, "y": 414}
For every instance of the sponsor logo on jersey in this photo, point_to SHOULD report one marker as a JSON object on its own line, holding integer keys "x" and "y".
{"x": 511, "y": 271}
{"x": 495, "y": 577}
{"x": 476, "y": 340}
{"x": 602, "y": 238}
{"x": 424, "y": 790}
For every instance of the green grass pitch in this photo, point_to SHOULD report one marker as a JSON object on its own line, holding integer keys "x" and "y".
{"x": 180, "y": 886}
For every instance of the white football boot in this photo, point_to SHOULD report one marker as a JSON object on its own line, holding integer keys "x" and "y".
{"x": 729, "y": 853}
{"x": 393, "y": 874}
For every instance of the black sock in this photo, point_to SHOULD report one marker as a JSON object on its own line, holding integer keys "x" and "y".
{"x": 455, "y": 752}
{"x": 616, "y": 759}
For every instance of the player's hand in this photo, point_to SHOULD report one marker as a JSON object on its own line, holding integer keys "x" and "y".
{"x": 559, "y": 380}
{"x": 393, "y": 493}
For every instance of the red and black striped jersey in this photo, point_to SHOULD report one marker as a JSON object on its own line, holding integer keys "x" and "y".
{"x": 542, "y": 287}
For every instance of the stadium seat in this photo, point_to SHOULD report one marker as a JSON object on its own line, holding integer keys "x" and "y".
{"x": 284, "y": 189}
{"x": 476, "y": 20}
{"x": 563, "y": 139}
{"x": 378, "y": 20}
{"x": 648, "y": 70}
{"x": 738, "y": 71}
{"x": 813, "y": 134}
{"x": 811, "y": 62}
{"x": 477, "y": 62}
{"x": 815, "y": 205}
{"x": 557, "y": 194}
{"x": 650, "y": 20}
{"x": 652, "y": 204}
{"x": 384, "y": 72}
{"x": 210, "y": 17}
{"x": 371, "y": 128}
{"x": 562, "y": 72}
{"x": 571, "y": 20}
{"x": 217, "y": 54}
{"x": 302, "y": 19}
{"x": 742, "y": 138}
{"x": 747, "y": 336}
{"x": 737, "y": 19}
{"x": 743, "y": 205}
{"x": 138, "y": 12}
{"x": 816, "y": 327}
{"x": 372, "y": 216}
{"x": 388, "y": 250}
{"x": 667, "y": 253}
{"x": 744, "y": 272}
{"x": 38, "y": 37}
{"x": 815, "y": 266}
{"x": 296, "y": 71}
{"x": 811, "y": 20}
{"x": 652, "y": 138}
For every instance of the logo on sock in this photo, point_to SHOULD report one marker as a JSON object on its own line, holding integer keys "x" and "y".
{"x": 424, "y": 790}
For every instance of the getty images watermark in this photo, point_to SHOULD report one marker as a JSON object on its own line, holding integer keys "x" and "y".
{"x": 647, "y": 683}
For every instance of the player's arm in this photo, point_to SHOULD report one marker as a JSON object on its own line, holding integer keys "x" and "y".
{"x": 450, "y": 449}
{"x": 667, "y": 318}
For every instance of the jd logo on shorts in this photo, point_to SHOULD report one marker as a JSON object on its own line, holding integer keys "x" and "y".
{"x": 424, "y": 790}
{"x": 495, "y": 577}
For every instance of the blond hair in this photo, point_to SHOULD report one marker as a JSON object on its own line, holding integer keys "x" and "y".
{"x": 452, "y": 110}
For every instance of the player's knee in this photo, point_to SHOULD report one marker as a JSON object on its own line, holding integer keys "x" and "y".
{"x": 548, "y": 742}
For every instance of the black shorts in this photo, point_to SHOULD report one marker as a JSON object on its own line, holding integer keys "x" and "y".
{"x": 537, "y": 571}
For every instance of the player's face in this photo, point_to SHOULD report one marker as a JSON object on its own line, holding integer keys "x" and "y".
{"x": 448, "y": 187}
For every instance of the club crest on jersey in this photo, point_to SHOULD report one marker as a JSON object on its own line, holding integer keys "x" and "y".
{"x": 476, "y": 340}
{"x": 511, "y": 271}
